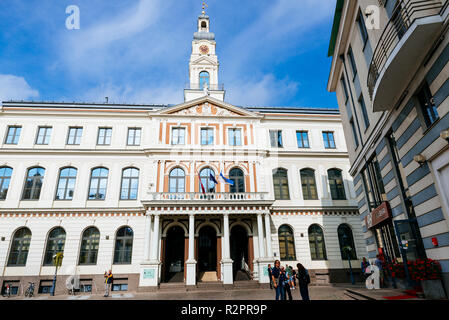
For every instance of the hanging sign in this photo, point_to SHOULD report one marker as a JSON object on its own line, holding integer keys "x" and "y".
{"x": 378, "y": 215}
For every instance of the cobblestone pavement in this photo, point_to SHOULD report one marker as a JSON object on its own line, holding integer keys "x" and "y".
{"x": 316, "y": 293}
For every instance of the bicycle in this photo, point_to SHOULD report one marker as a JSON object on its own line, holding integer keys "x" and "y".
{"x": 30, "y": 290}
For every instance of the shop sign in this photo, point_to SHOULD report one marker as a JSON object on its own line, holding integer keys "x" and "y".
{"x": 378, "y": 215}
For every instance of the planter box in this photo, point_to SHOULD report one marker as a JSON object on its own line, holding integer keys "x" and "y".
{"x": 433, "y": 289}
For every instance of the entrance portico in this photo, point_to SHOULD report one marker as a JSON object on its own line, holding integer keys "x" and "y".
{"x": 206, "y": 249}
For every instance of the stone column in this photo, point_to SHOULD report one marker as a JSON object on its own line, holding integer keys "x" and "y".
{"x": 226, "y": 261}
{"x": 149, "y": 269}
{"x": 146, "y": 250}
{"x": 191, "y": 262}
{"x": 263, "y": 259}
{"x": 260, "y": 235}
{"x": 268, "y": 235}
{"x": 155, "y": 239}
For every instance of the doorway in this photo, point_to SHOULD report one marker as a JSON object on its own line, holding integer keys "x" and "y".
{"x": 207, "y": 249}
{"x": 239, "y": 253}
{"x": 174, "y": 255}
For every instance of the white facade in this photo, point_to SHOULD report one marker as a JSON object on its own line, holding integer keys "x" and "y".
{"x": 166, "y": 215}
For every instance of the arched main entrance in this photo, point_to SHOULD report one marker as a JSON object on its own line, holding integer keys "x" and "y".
{"x": 239, "y": 253}
{"x": 207, "y": 254}
{"x": 174, "y": 255}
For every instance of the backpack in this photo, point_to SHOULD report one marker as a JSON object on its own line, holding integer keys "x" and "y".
{"x": 303, "y": 278}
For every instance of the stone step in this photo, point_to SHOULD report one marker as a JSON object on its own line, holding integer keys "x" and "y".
{"x": 172, "y": 287}
{"x": 246, "y": 284}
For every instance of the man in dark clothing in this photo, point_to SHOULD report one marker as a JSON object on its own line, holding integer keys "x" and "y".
{"x": 108, "y": 278}
{"x": 270, "y": 275}
{"x": 276, "y": 277}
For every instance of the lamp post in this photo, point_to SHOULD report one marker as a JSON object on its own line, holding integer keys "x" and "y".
{"x": 348, "y": 250}
{"x": 57, "y": 260}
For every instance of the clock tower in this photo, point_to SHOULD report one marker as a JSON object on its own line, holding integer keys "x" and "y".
{"x": 203, "y": 66}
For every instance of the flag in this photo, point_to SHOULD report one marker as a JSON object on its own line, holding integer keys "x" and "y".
{"x": 212, "y": 178}
{"x": 201, "y": 183}
{"x": 228, "y": 181}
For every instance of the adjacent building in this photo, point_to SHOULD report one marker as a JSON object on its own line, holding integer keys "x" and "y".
{"x": 203, "y": 191}
{"x": 390, "y": 70}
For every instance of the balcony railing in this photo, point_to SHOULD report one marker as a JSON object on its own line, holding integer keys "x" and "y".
{"x": 197, "y": 86}
{"x": 198, "y": 196}
{"x": 404, "y": 15}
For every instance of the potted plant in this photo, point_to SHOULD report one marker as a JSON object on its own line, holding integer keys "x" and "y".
{"x": 428, "y": 271}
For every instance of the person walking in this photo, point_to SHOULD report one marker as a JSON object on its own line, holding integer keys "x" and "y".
{"x": 286, "y": 284}
{"x": 108, "y": 281}
{"x": 303, "y": 282}
{"x": 276, "y": 278}
{"x": 270, "y": 275}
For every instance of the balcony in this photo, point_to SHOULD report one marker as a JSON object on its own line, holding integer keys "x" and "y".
{"x": 197, "y": 86}
{"x": 406, "y": 40}
{"x": 215, "y": 198}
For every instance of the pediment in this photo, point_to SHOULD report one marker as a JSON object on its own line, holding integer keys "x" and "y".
{"x": 208, "y": 107}
{"x": 204, "y": 60}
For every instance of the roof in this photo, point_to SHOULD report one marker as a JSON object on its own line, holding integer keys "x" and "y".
{"x": 335, "y": 27}
{"x": 155, "y": 107}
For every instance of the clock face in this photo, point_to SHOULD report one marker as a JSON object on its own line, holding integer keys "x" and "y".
{"x": 204, "y": 49}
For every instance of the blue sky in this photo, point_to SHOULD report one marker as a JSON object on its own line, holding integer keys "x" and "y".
{"x": 271, "y": 52}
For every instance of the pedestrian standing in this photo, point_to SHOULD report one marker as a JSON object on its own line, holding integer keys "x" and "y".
{"x": 303, "y": 282}
{"x": 8, "y": 290}
{"x": 270, "y": 275}
{"x": 378, "y": 263}
{"x": 286, "y": 283}
{"x": 108, "y": 282}
{"x": 294, "y": 278}
{"x": 276, "y": 277}
{"x": 365, "y": 264}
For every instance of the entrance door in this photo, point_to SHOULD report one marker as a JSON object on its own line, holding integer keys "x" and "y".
{"x": 207, "y": 249}
{"x": 239, "y": 253}
{"x": 174, "y": 255}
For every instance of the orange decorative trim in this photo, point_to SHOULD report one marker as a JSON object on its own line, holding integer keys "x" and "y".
{"x": 255, "y": 177}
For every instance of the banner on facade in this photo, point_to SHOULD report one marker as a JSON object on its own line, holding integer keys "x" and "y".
{"x": 378, "y": 215}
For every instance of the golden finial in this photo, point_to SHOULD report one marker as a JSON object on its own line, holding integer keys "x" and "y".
{"x": 204, "y": 7}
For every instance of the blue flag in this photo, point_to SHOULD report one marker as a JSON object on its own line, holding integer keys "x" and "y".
{"x": 231, "y": 182}
{"x": 212, "y": 178}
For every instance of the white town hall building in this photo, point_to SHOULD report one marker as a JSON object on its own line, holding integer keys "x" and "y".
{"x": 131, "y": 188}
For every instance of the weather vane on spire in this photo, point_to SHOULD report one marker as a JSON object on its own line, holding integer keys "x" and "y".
{"x": 204, "y": 7}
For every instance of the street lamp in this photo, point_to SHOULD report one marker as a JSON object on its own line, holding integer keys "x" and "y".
{"x": 57, "y": 260}
{"x": 348, "y": 250}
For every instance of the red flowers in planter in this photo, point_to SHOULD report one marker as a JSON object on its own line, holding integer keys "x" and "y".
{"x": 421, "y": 269}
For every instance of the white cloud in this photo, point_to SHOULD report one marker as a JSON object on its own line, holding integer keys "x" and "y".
{"x": 15, "y": 88}
{"x": 135, "y": 95}
{"x": 264, "y": 92}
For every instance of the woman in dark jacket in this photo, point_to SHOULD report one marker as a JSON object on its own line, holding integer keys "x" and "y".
{"x": 303, "y": 281}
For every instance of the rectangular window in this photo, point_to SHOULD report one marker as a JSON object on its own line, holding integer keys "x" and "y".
{"x": 45, "y": 286}
{"x": 276, "y": 138}
{"x": 362, "y": 28}
{"x": 329, "y": 141}
{"x": 352, "y": 62}
{"x": 235, "y": 137}
{"x": 104, "y": 136}
{"x": 207, "y": 136}
{"x": 120, "y": 287}
{"x": 427, "y": 105}
{"x": 303, "y": 139}
{"x": 74, "y": 136}
{"x": 345, "y": 90}
{"x": 134, "y": 136}
{"x": 178, "y": 136}
{"x": 354, "y": 133}
{"x": 373, "y": 183}
{"x": 43, "y": 135}
{"x": 13, "y": 135}
{"x": 364, "y": 111}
